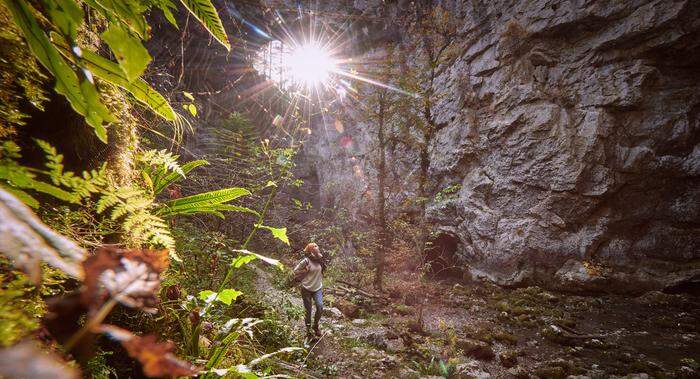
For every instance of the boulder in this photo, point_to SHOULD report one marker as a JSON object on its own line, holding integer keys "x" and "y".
{"x": 476, "y": 349}
{"x": 347, "y": 308}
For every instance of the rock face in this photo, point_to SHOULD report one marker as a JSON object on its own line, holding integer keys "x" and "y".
{"x": 571, "y": 132}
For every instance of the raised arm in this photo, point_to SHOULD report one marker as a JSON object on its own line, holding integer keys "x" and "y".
{"x": 301, "y": 265}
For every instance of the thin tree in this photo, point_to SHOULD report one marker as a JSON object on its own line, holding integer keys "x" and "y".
{"x": 382, "y": 227}
{"x": 382, "y": 105}
{"x": 437, "y": 34}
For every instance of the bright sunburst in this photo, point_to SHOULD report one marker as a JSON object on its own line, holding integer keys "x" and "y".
{"x": 310, "y": 65}
{"x": 310, "y": 62}
{"x": 291, "y": 66}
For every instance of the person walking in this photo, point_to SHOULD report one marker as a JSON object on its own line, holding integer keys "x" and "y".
{"x": 309, "y": 274}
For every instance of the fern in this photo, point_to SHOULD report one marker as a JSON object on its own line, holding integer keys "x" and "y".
{"x": 81, "y": 186}
{"x": 205, "y": 12}
{"x": 203, "y": 202}
{"x": 141, "y": 217}
{"x": 160, "y": 160}
{"x": 163, "y": 182}
{"x": 133, "y": 206}
{"x": 17, "y": 178}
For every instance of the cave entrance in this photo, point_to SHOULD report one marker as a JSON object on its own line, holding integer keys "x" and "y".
{"x": 441, "y": 256}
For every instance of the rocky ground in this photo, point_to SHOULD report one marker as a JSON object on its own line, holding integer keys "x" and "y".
{"x": 481, "y": 330}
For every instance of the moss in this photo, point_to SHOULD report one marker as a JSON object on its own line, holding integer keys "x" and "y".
{"x": 403, "y": 309}
{"x": 477, "y": 349}
{"x": 21, "y": 303}
{"x": 505, "y": 337}
{"x": 508, "y": 358}
{"x": 20, "y": 77}
{"x": 550, "y": 372}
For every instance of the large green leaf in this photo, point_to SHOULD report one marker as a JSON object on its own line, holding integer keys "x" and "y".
{"x": 279, "y": 233}
{"x": 204, "y": 200}
{"x": 206, "y": 13}
{"x": 66, "y": 15}
{"x": 97, "y": 113}
{"x": 215, "y": 209}
{"x": 25, "y": 180}
{"x": 243, "y": 260}
{"x": 247, "y": 253}
{"x": 82, "y": 98}
{"x": 228, "y": 295}
{"x": 128, "y": 12}
{"x": 132, "y": 56}
{"x": 107, "y": 70}
{"x": 167, "y": 7}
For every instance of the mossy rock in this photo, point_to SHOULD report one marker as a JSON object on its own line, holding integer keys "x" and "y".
{"x": 476, "y": 349}
{"x": 508, "y": 358}
{"x": 403, "y": 309}
{"x": 505, "y": 337}
{"x": 548, "y": 372}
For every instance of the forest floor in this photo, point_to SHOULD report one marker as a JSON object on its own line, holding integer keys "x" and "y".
{"x": 479, "y": 330}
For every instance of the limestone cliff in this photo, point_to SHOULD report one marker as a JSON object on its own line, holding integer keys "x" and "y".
{"x": 572, "y": 131}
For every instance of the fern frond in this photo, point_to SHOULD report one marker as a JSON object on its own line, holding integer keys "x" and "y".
{"x": 172, "y": 177}
{"x": 205, "y": 12}
{"x": 203, "y": 200}
{"x": 55, "y": 162}
{"x": 107, "y": 200}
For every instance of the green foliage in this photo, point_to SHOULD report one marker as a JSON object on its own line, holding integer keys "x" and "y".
{"x": 17, "y": 178}
{"x": 81, "y": 94}
{"x": 134, "y": 205}
{"x": 206, "y": 13}
{"x": 225, "y": 296}
{"x": 279, "y": 233}
{"x": 73, "y": 65}
{"x": 132, "y": 56}
{"x": 449, "y": 192}
{"x": 21, "y": 303}
{"x": 435, "y": 367}
{"x": 208, "y": 202}
{"x": 111, "y": 72}
{"x": 21, "y": 80}
{"x": 19, "y": 310}
{"x": 98, "y": 368}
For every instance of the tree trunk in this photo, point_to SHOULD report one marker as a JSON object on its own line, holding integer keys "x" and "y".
{"x": 423, "y": 193}
{"x": 381, "y": 200}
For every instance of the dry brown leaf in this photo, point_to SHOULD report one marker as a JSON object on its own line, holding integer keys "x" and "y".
{"x": 27, "y": 360}
{"x": 156, "y": 357}
{"x": 132, "y": 277}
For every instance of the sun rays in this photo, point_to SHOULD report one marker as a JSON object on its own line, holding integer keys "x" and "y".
{"x": 307, "y": 61}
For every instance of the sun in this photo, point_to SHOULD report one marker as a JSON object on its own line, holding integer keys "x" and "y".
{"x": 310, "y": 65}
{"x": 292, "y": 66}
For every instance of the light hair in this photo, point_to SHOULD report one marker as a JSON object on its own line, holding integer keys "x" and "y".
{"x": 311, "y": 247}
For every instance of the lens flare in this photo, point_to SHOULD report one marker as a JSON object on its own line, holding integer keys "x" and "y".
{"x": 310, "y": 65}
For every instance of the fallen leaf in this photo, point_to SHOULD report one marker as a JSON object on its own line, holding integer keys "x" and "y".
{"x": 156, "y": 357}
{"x": 132, "y": 277}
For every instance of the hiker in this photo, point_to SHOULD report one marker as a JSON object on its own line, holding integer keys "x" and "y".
{"x": 309, "y": 274}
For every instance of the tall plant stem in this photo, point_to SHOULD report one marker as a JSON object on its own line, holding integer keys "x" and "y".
{"x": 90, "y": 324}
{"x": 229, "y": 272}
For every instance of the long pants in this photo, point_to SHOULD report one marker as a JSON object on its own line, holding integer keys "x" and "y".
{"x": 309, "y": 298}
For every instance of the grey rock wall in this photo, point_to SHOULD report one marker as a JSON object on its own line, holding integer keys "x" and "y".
{"x": 573, "y": 129}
